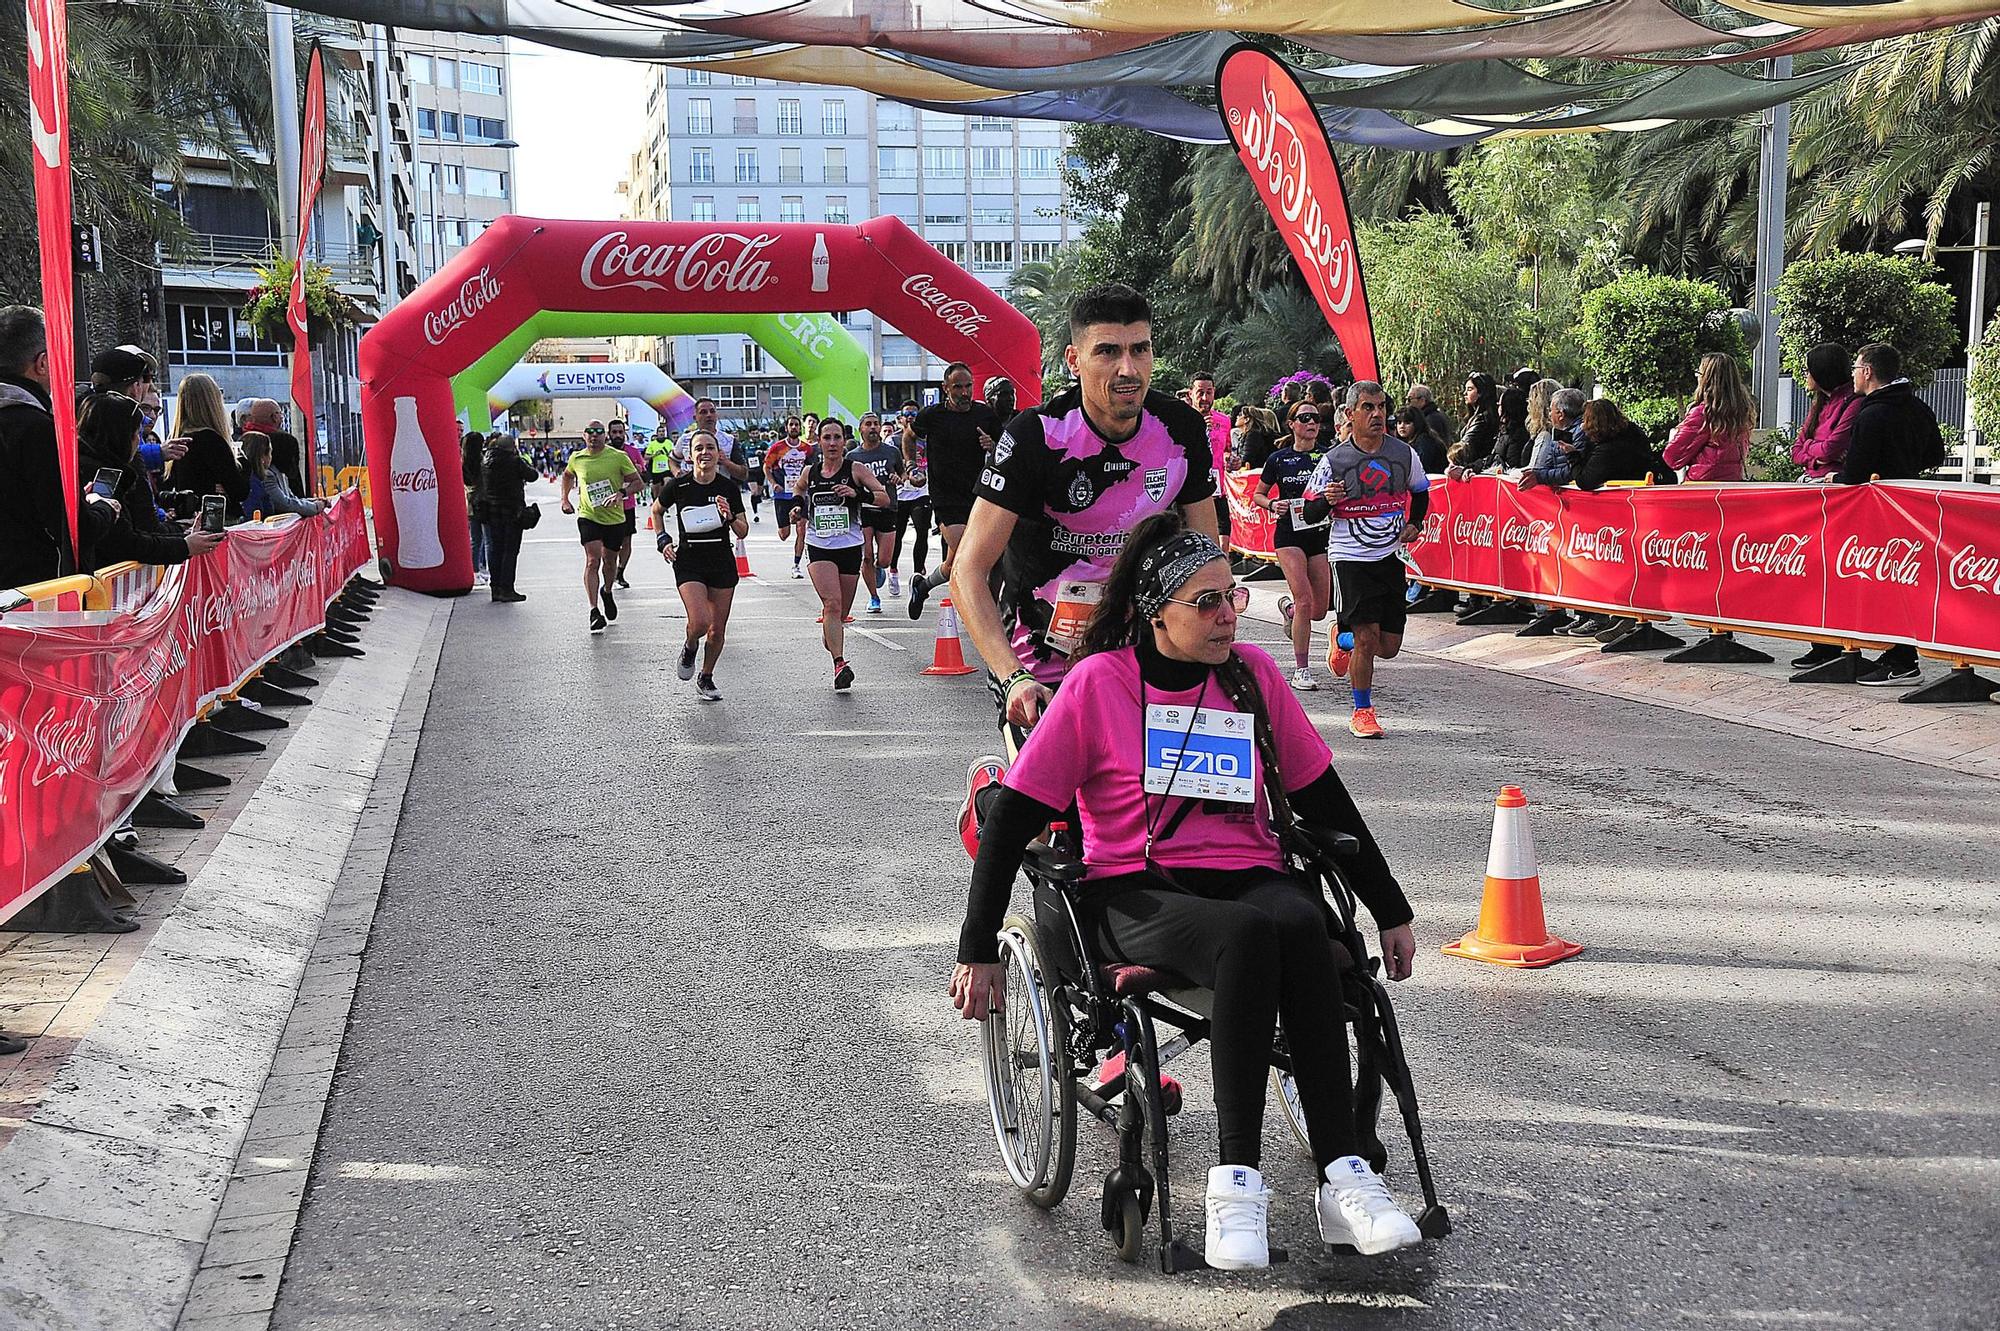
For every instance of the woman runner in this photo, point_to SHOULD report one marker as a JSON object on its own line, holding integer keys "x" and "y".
{"x": 830, "y": 494}
{"x": 708, "y": 513}
{"x": 1301, "y": 546}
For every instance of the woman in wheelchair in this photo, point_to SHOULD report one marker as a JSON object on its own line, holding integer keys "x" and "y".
{"x": 1156, "y": 736}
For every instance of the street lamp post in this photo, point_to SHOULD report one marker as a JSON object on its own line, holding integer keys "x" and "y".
{"x": 1975, "y": 321}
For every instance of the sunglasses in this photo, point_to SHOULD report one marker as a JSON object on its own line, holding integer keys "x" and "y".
{"x": 593, "y": 432}
{"x": 1312, "y": 416}
{"x": 1210, "y": 602}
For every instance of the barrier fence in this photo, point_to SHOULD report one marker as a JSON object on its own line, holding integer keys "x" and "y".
{"x": 104, "y": 677}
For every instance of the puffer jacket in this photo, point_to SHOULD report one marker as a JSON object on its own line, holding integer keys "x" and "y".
{"x": 1823, "y": 448}
{"x": 1705, "y": 454}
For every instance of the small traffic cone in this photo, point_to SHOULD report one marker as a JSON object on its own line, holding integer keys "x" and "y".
{"x": 742, "y": 560}
{"x": 1512, "y": 930}
{"x": 946, "y": 656}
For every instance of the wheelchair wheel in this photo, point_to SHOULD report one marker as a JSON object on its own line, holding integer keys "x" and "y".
{"x": 1026, "y": 1053}
{"x": 1131, "y": 1232}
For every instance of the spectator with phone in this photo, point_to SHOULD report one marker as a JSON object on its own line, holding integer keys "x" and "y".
{"x": 107, "y": 454}
{"x": 270, "y": 491}
{"x": 34, "y": 511}
{"x": 209, "y": 467}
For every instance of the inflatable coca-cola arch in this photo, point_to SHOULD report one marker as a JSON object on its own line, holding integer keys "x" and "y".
{"x": 521, "y": 266}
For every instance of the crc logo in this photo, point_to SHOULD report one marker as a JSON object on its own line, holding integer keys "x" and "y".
{"x": 962, "y": 316}
{"x": 474, "y": 295}
{"x": 1688, "y": 551}
{"x": 1528, "y": 537}
{"x": 723, "y": 261}
{"x": 1895, "y": 560}
{"x": 1606, "y": 545}
{"x": 1973, "y": 571}
{"x": 811, "y": 331}
{"x": 1782, "y": 556}
{"x": 1473, "y": 531}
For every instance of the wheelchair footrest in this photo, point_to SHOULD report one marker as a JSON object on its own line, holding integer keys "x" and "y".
{"x": 1434, "y": 1222}
{"x": 1109, "y": 1080}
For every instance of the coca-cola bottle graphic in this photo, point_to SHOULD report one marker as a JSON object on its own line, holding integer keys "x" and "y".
{"x": 414, "y": 492}
{"x": 821, "y": 264}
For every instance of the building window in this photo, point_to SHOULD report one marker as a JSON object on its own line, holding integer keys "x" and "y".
{"x": 956, "y": 217}
{"x": 787, "y": 398}
{"x": 420, "y": 69}
{"x": 992, "y": 163}
{"x": 836, "y": 208}
{"x": 474, "y": 77}
{"x": 753, "y": 357}
{"x": 1038, "y": 163}
{"x": 792, "y": 209}
{"x": 992, "y": 256}
{"x": 216, "y": 335}
{"x": 896, "y": 117}
{"x": 1040, "y": 251}
{"x": 427, "y": 123}
{"x": 833, "y": 118}
{"x": 947, "y": 126}
{"x": 701, "y": 166}
{"x": 701, "y": 119}
{"x": 896, "y": 163}
{"x": 747, "y": 210}
{"x": 746, "y": 166}
{"x": 448, "y": 125}
{"x": 697, "y": 78}
{"x": 484, "y": 129}
{"x": 791, "y": 119}
{"x": 944, "y": 163}
{"x": 486, "y": 184}
{"x": 734, "y": 397}
{"x": 743, "y": 80}
{"x": 746, "y": 115}
{"x": 836, "y": 166}
{"x": 701, "y": 210}
{"x": 445, "y": 179}
{"x": 991, "y": 122}
{"x": 446, "y": 72}
{"x": 951, "y": 249}
{"x": 791, "y": 167}
{"x": 992, "y": 216}
{"x": 900, "y": 350}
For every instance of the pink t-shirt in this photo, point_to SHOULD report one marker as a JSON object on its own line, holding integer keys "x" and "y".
{"x": 1092, "y": 746}
{"x": 1218, "y": 441}
{"x": 638, "y": 456}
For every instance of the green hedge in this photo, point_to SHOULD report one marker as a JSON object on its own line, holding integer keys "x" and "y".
{"x": 1855, "y": 299}
{"x": 1646, "y": 336}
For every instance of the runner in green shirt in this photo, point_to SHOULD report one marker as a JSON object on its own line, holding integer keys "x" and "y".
{"x": 594, "y": 486}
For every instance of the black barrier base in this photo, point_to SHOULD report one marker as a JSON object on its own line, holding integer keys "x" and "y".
{"x": 1545, "y": 624}
{"x": 345, "y": 620}
{"x": 1436, "y": 601}
{"x": 1500, "y": 612}
{"x": 1646, "y": 638}
{"x": 238, "y": 718}
{"x": 294, "y": 658}
{"x": 286, "y": 678}
{"x": 1842, "y": 669}
{"x": 326, "y": 645}
{"x": 11, "y": 1044}
{"x": 160, "y": 811}
{"x": 189, "y": 777}
{"x": 136, "y": 866}
{"x": 207, "y": 741}
{"x": 266, "y": 694}
{"x": 339, "y": 635}
{"x": 1963, "y": 684}
{"x": 1719, "y": 649}
{"x": 75, "y": 905}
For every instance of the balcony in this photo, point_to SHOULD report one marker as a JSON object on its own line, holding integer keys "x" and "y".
{"x": 836, "y": 175}
{"x": 746, "y": 124}
{"x": 340, "y": 38}
{"x": 791, "y": 175}
{"x": 231, "y": 262}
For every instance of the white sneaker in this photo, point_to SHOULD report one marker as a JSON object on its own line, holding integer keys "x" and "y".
{"x": 1237, "y": 1207}
{"x": 1285, "y": 608}
{"x": 1303, "y": 681}
{"x": 895, "y": 585}
{"x": 1355, "y": 1208}
{"x": 795, "y": 569}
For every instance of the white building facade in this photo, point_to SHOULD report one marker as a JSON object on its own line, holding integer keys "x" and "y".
{"x": 461, "y": 97}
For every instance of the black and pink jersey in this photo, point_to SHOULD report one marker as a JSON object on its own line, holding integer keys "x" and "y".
{"x": 1076, "y": 496}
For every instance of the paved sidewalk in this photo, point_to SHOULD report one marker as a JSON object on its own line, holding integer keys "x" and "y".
{"x": 110, "y": 1188}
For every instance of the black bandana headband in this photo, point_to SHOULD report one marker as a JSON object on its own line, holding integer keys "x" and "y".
{"x": 1165, "y": 569}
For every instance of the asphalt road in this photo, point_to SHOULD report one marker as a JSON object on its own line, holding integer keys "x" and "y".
{"x": 653, "y": 1028}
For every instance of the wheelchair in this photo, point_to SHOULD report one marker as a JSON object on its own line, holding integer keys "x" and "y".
{"x": 1066, "y": 1007}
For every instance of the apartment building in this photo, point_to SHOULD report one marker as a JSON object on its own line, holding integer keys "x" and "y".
{"x": 461, "y": 92}
{"x": 987, "y": 192}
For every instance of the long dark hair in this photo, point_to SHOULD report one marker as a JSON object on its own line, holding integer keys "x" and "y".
{"x": 1831, "y": 370}
{"x": 109, "y": 424}
{"x": 1117, "y": 623}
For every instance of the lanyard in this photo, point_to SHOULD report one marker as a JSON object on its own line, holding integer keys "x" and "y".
{"x": 1145, "y": 796}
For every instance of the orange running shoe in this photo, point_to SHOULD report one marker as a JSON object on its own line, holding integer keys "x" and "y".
{"x": 1364, "y": 725}
{"x": 1337, "y": 661}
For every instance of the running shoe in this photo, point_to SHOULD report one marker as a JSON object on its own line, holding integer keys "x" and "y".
{"x": 874, "y": 605}
{"x": 843, "y": 675}
{"x": 686, "y": 668}
{"x": 622, "y": 583}
{"x": 1338, "y": 660}
{"x": 985, "y": 774}
{"x": 881, "y": 576}
{"x": 795, "y": 569}
{"x": 895, "y": 585}
{"x": 1819, "y": 654}
{"x": 704, "y": 689}
{"x": 597, "y": 621}
{"x": 1285, "y": 608}
{"x": 920, "y": 587}
{"x": 610, "y": 604}
{"x": 1355, "y": 1209}
{"x": 1303, "y": 681}
{"x": 1363, "y": 724}
{"x": 1238, "y": 1207}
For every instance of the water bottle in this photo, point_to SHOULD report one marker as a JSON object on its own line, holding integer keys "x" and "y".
{"x": 413, "y": 489}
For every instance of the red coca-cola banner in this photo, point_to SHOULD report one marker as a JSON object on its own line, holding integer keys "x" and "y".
{"x": 1901, "y": 562}
{"x": 48, "y": 128}
{"x": 312, "y": 170}
{"x": 1252, "y": 530}
{"x": 93, "y": 704}
{"x": 1279, "y": 137}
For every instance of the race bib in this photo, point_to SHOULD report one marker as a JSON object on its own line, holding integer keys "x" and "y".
{"x": 600, "y": 494}
{"x": 1297, "y": 509}
{"x": 1209, "y": 755}
{"x": 701, "y": 519}
{"x": 1076, "y": 602}
{"x": 830, "y": 519}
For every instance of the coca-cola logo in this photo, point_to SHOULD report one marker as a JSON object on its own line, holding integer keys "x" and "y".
{"x": 1529, "y": 537}
{"x": 1972, "y": 570}
{"x": 1606, "y": 545}
{"x": 474, "y": 295}
{"x": 1687, "y": 550}
{"x": 960, "y": 315}
{"x": 1433, "y": 527}
{"x": 1782, "y": 556}
{"x": 413, "y": 482}
{"x": 1895, "y": 560}
{"x": 722, "y": 261}
{"x": 1276, "y": 155}
{"x": 1473, "y": 530}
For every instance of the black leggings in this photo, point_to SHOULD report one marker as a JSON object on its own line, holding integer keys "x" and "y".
{"x": 1265, "y": 951}
{"x": 919, "y": 512}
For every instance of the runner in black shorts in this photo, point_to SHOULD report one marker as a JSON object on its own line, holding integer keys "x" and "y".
{"x": 1301, "y": 545}
{"x": 878, "y": 525}
{"x": 830, "y": 497}
{"x": 958, "y": 435}
{"x": 594, "y": 485}
{"x": 708, "y": 517}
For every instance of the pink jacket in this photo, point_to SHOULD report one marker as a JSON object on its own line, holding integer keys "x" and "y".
{"x": 1706, "y": 455}
{"x": 1823, "y": 450}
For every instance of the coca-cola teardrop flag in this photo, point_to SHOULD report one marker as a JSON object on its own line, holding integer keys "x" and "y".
{"x": 312, "y": 169}
{"x": 48, "y": 126}
{"x": 1280, "y": 140}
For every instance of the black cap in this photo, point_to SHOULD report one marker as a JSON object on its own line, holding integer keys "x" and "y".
{"x": 123, "y": 365}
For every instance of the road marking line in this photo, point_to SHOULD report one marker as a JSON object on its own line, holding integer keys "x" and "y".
{"x": 393, "y": 1172}
{"x": 873, "y": 636}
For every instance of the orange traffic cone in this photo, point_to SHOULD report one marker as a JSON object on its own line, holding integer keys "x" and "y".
{"x": 946, "y": 657}
{"x": 742, "y": 560}
{"x": 1512, "y": 930}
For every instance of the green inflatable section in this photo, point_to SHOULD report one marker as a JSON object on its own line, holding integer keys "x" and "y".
{"x": 830, "y": 365}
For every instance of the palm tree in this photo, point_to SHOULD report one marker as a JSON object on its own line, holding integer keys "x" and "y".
{"x": 1284, "y": 331}
{"x": 1044, "y": 292}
